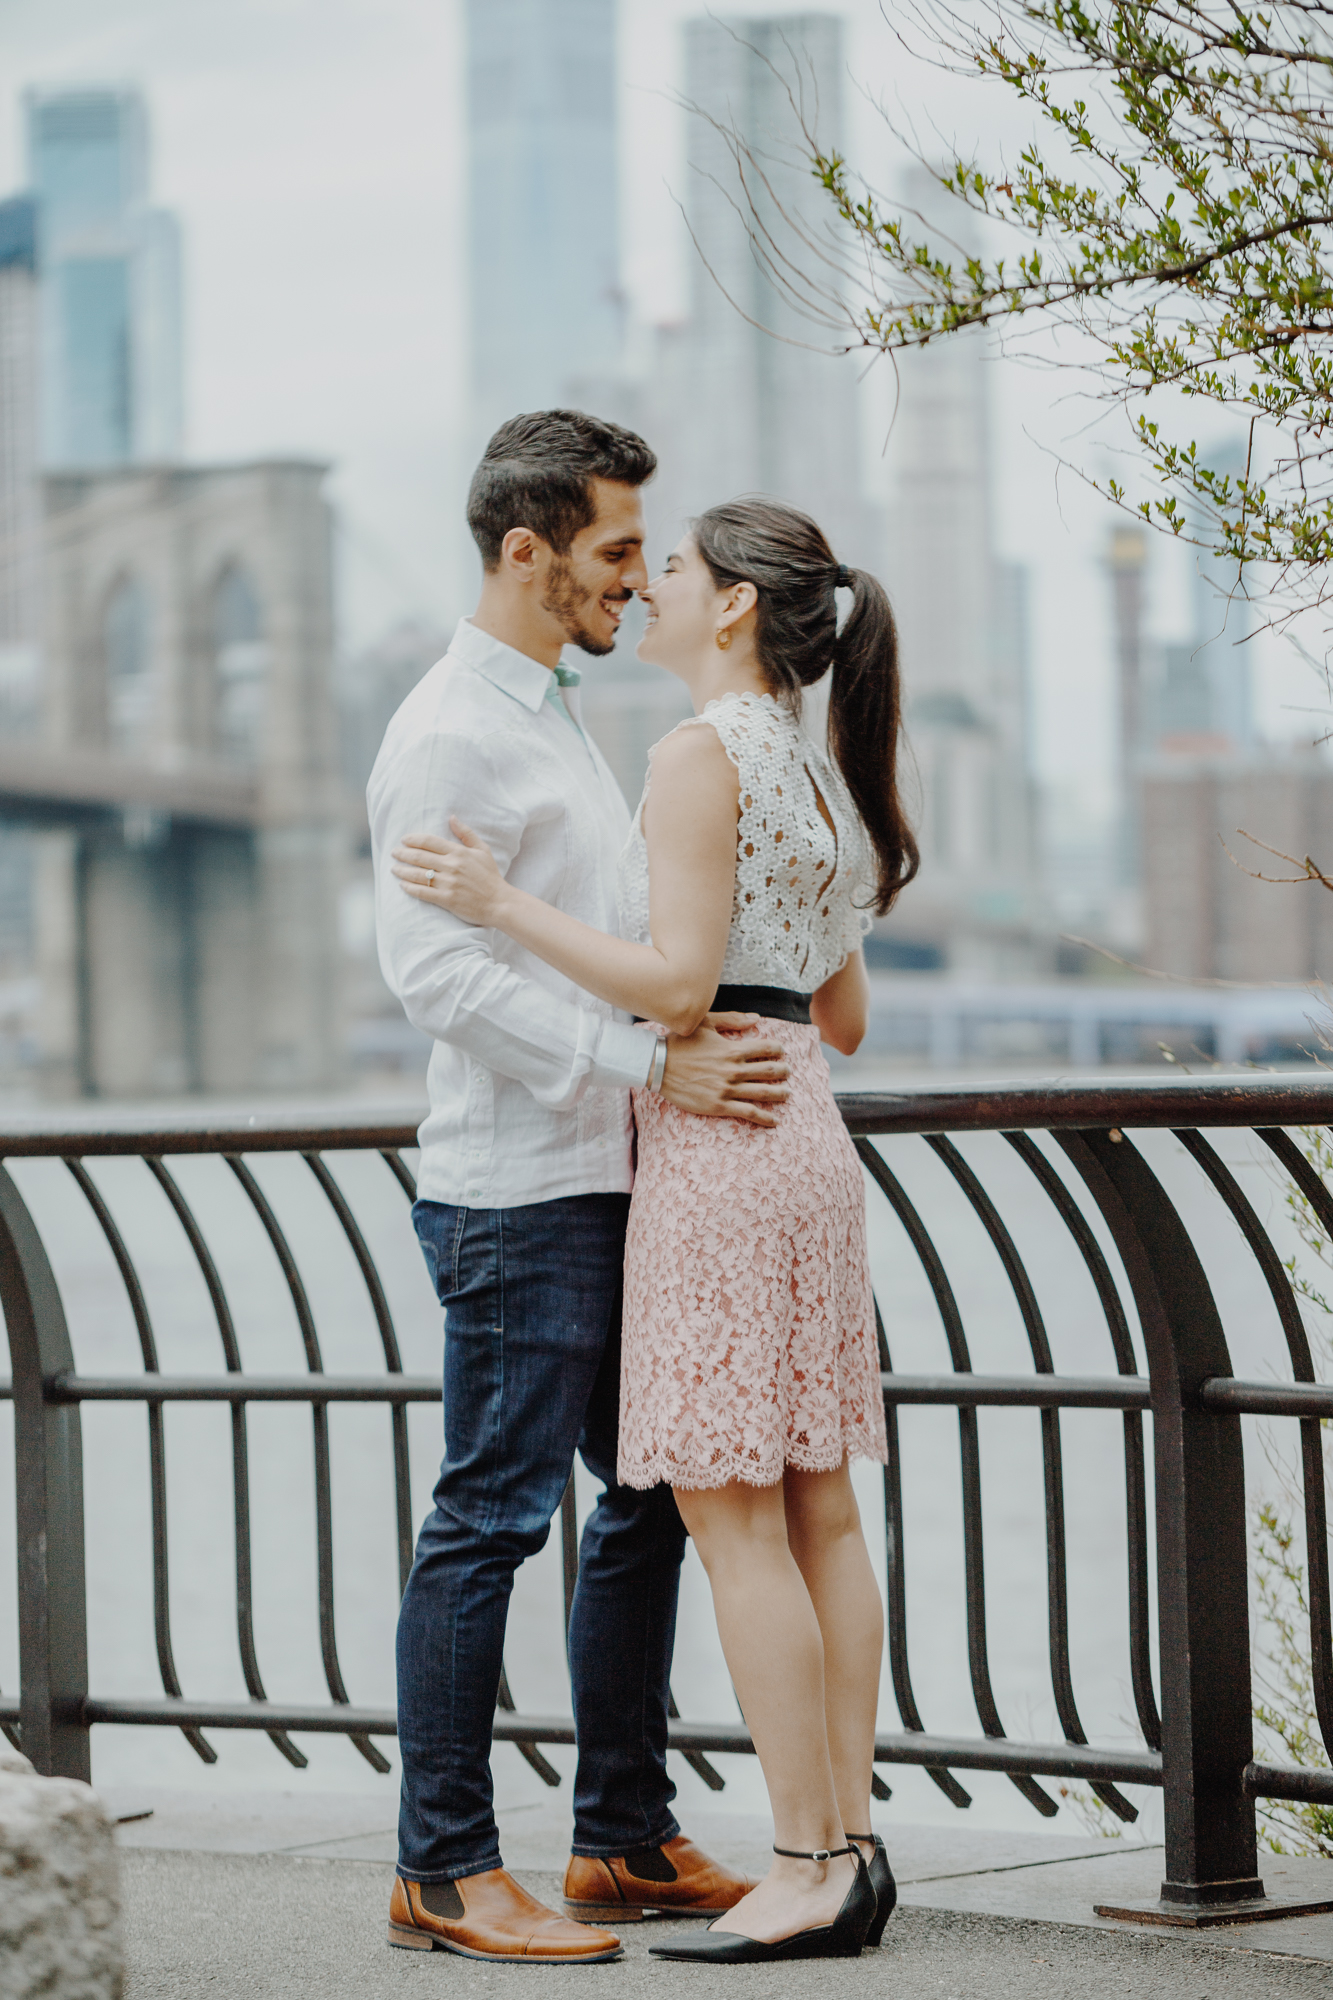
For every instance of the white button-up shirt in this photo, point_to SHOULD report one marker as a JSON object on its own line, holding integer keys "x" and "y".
{"x": 530, "y": 1076}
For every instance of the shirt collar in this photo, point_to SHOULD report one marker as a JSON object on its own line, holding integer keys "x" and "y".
{"x": 515, "y": 673}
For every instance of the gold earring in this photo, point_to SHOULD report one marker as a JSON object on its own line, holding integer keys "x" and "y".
{"x": 724, "y": 638}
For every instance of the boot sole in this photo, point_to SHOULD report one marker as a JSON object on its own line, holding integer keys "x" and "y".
{"x": 404, "y": 1939}
{"x": 634, "y": 1913}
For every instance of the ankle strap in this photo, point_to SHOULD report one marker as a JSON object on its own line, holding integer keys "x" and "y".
{"x": 861, "y": 1836}
{"x": 818, "y": 1854}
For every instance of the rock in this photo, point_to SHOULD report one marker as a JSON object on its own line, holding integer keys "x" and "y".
{"x": 59, "y": 1889}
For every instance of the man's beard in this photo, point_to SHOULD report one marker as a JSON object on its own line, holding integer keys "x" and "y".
{"x": 567, "y": 602}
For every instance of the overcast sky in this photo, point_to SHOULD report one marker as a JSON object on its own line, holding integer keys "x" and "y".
{"x": 312, "y": 149}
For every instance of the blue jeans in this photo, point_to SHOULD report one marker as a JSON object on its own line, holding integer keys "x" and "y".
{"x": 532, "y": 1300}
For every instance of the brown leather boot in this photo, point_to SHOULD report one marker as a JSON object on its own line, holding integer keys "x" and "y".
{"x": 489, "y": 1916}
{"x": 678, "y": 1879}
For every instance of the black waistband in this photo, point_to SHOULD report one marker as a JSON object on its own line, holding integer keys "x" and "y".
{"x": 774, "y": 1003}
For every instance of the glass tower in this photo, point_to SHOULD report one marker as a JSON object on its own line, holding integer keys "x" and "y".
{"x": 111, "y": 339}
{"x": 543, "y": 215}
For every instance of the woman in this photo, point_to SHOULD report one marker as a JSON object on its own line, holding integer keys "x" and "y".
{"x": 750, "y": 1377}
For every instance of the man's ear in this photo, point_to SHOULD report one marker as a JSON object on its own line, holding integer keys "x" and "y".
{"x": 519, "y": 553}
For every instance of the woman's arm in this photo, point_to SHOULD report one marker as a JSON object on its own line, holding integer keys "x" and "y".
{"x": 690, "y": 827}
{"x": 841, "y": 1008}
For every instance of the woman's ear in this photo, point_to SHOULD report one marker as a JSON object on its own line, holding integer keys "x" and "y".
{"x": 741, "y": 599}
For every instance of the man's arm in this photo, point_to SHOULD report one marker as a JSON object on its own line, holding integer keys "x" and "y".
{"x": 445, "y": 972}
{"x": 452, "y": 987}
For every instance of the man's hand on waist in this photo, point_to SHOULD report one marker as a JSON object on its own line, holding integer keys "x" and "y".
{"x": 719, "y": 1075}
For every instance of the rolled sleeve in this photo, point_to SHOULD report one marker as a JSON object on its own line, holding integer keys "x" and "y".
{"x": 624, "y": 1056}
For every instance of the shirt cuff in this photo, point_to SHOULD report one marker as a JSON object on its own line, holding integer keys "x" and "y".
{"x": 624, "y": 1056}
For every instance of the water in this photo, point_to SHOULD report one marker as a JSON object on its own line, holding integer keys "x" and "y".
{"x": 121, "y": 1645}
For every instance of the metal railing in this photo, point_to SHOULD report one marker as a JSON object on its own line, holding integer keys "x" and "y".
{"x": 1099, "y": 1194}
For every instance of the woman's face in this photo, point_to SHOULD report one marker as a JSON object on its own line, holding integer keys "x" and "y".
{"x": 684, "y": 607}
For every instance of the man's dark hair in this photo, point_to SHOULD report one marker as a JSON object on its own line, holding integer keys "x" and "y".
{"x": 537, "y": 472}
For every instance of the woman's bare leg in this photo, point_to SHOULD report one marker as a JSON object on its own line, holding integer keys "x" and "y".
{"x": 826, "y": 1542}
{"x": 771, "y": 1638}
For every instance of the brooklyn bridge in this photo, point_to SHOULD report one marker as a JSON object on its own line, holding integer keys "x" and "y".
{"x": 178, "y": 775}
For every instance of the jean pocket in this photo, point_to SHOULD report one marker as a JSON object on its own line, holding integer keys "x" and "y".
{"x": 439, "y": 1227}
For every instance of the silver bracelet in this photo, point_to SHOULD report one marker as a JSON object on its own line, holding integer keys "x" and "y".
{"x": 658, "y": 1070}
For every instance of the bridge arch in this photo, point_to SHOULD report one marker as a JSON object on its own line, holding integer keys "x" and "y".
{"x": 127, "y": 663}
{"x": 239, "y": 665}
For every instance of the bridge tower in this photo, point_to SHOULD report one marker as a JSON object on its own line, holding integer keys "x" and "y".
{"x": 183, "y": 779}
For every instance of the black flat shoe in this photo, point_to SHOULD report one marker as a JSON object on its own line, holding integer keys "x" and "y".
{"x": 883, "y": 1884}
{"x": 842, "y": 1938}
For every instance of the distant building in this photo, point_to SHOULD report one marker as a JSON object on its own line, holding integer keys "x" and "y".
{"x": 20, "y": 496}
{"x": 1203, "y": 699}
{"x": 977, "y": 904}
{"x": 1199, "y": 778}
{"x": 745, "y": 401}
{"x": 373, "y": 685}
{"x": 543, "y": 213}
{"x": 111, "y": 391}
{"x": 1206, "y": 917}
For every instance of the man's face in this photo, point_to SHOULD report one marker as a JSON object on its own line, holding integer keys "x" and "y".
{"x": 587, "y": 589}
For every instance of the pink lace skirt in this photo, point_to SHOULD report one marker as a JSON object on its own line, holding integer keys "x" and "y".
{"x": 749, "y": 1329}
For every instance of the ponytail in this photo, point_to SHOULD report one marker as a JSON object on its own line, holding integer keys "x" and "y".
{"x": 783, "y": 553}
{"x": 865, "y": 723}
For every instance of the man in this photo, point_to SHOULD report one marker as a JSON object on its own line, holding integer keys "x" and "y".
{"x": 523, "y": 1197}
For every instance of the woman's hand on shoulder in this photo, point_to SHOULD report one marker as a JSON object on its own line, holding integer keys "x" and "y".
{"x": 458, "y": 875}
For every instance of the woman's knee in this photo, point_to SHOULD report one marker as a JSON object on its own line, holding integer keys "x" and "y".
{"x": 730, "y": 1519}
{"x": 820, "y": 1506}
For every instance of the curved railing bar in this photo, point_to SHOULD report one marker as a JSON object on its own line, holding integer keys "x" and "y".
{"x": 969, "y": 1454}
{"x": 1136, "y": 1495}
{"x": 895, "y": 1565}
{"x": 1302, "y": 1368}
{"x": 48, "y": 1505}
{"x": 1057, "y": 1557}
{"x": 541, "y": 1765}
{"x": 157, "y": 1450}
{"x": 696, "y": 1760}
{"x": 240, "y": 1453}
{"x": 320, "y": 1417}
{"x": 392, "y": 1358}
{"x": 402, "y": 1174}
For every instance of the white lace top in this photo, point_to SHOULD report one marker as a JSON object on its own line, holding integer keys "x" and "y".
{"x": 803, "y": 889}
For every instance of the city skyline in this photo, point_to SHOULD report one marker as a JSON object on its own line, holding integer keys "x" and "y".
{"x": 318, "y": 166}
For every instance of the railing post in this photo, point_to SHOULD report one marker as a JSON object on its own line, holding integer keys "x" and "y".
{"x": 53, "y": 1642}
{"x": 1202, "y": 1551}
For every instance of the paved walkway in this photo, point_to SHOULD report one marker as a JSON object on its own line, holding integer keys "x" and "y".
{"x": 263, "y": 1895}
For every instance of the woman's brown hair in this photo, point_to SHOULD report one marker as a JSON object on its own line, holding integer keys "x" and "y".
{"x": 783, "y": 553}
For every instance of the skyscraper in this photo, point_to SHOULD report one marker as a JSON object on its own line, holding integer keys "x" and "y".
{"x": 111, "y": 338}
{"x": 751, "y": 403}
{"x": 961, "y": 621}
{"x": 543, "y": 213}
{"x": 20, "y": 490}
